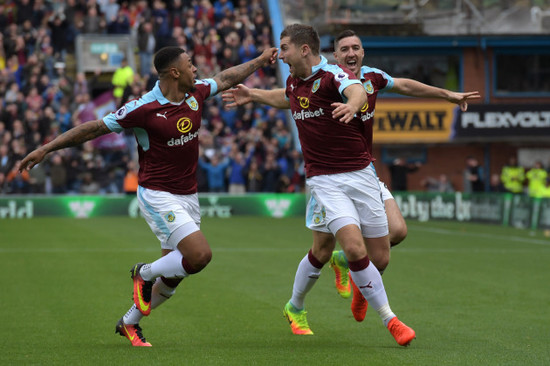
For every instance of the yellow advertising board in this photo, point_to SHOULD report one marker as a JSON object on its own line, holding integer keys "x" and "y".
{"x": 421, "y": 121}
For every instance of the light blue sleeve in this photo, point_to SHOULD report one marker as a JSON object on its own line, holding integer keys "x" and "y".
{"x": 111, "y": 122}
{"x": 386, "y": 76}
{"x": 213, "y": 86}
{"x": 341, "y": 77}
{"x": 344, "y": 85}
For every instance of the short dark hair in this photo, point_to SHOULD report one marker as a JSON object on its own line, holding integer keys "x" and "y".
{"x": 344, "y": 34}
{"x": 165, "y": 57}
{"x": 300, "y": 34}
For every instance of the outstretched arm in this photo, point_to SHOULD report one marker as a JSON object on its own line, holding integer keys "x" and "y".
{"x": 75, "y": 136}
{"x": 241, "y": 95}
{"x": 236, "y": 74}
{"x": 415, "y": 88}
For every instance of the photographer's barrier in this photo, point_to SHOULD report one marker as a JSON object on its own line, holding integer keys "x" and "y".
{"x": 493, "y": 208}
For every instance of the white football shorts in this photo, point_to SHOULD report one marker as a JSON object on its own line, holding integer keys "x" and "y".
{"x": 172, "y": 217}
{"x": 341, "y": 199}
{"x": 386, "y": 194}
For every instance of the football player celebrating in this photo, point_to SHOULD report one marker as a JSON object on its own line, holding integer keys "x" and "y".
{"x": 349, "y": 52}
{"x": 166, "y": 124}
{"x": 326, "y": 102}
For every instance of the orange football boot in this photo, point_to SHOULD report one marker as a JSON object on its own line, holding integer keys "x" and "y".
{"x": 133, "y": 333}
{"x": 142, "y": 290}
{"x": 402, "y": 333}
{"x": 359, "y": 304}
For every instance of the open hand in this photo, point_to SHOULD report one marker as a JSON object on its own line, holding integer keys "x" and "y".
{"x": 237, "y": 96}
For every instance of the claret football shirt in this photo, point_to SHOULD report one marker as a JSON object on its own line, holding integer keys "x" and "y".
{"x": 374, "y": 81}
{"x": 328, "y": 145}
{"x": 167, "y": 135}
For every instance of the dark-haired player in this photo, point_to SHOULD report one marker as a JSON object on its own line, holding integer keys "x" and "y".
{"x": 165, "y": 122}
{"x": 349, "y": 52}
{"x": 326, "y": 102}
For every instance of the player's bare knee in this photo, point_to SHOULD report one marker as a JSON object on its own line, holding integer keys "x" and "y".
{"x": 398, "y": 234}
{"x": 323, "y": 245}
{"x": 355, "y": 252}
{"x": 381, "y": 262}
{"x": 199, "y": 261}
{"x": 322, "y": 254}
{"x": 204, "y": 258}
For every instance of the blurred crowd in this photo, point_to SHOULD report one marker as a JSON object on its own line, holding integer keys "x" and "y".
{"x": 513, "y": 178}
{"x": 248, "y": 149}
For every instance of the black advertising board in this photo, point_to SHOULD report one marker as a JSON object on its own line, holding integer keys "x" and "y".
{"x": 502, "y": 121}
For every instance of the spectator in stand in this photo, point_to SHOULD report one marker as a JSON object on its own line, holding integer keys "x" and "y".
{"x": 222, "y": 8}
{"x": 296, "y": 172}
{"x": 58, "y": 32}
{"x": 281, "y": 135}
{"x": 161, "y": 24}
{"x": 254, "y": 177}
{"x": 110, "y": 10}
{"x": 17, "y": 183}
{"x": 440, "y": 185}
{"x": 247, "y": 50}
{"x": 537, "y": 178}
{"x": 122, "y": 79}
{"x": 146, "y": 44}
{"x": 63, "y": 117}
{"x": 237, "y": 181}
{"x": 34, "y": 100}
{"x": 131, "y": 178}
{"x": 473, "y": 176}
{"x": 24, "y": 11}
{"x": 495, "y": 185}
{"x": 58, "y": 174}
{"x": 74, "y": 172}
{"x": 37, "y": 179}
{"x": 399, "y": 170}
{"x": 11, "y": 93}
{"x": 121, "y": 24}
{"x": 18, "y": 130}
{"x": 229, "y": 116}
{"x": 215, "y": 172}
{"x": 3, "y": 183}
{"x": 513, "y": 176}
{"x": 2, "y": 52}
{"x": 93, "y": 22}
{"x": 271, "y": 173}
{"x": 80, "y": 85}
{"x": 89, "y": 186}
{"x": 6, "y": 161}
{"x": 232, "y": 46}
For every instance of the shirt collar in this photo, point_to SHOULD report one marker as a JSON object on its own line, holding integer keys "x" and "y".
{"x": 160, "y": 97}
{"x": 318, "y": 67}
{"x": 158, "y": 94}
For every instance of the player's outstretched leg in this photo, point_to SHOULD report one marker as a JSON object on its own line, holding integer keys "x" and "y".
{"x": 142, "y": 290}
{"x": 359, "y": 304}
{"x": 401, "y": 332}
{"x": 133, "y": 333}
{"x": 339, "y": 264}
{"x": 368, "y": 280}
{"x": 297, "y": 319}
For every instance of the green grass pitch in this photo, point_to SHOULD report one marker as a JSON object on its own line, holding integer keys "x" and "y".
{"x": 475, "y": 294}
